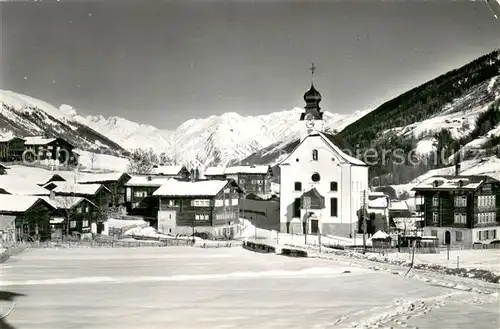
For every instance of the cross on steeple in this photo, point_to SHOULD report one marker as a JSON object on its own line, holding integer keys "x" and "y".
{"x": 312, "y": 69}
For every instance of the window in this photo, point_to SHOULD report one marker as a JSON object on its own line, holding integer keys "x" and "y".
{"x": 296, "y": 208}
{"x": 171, "y": 203}
{"x": 234, "y": 202}
{"x": 333, "y": 186}
{"x": 333, "y": 207}
{"x": 228, "y": 190}
{"x": 315, "y": 177}
{"x": 298, "y": 186}
{"x": 85, "y": 223}
{"x": 200, "y": 203}
{"x": 486, "y": 217}
{"x": 435, "y": 217}
{"x": 201, "y": 217}
{"x": 140, "y": 194}
{"x": 219, "y": 203}
{"x": 434, "y": 233}
{"x": 435, "y": 201}
{"x": 315, "y": 155}
{"x": 486, "y": 201}
{"x": 493, "y": 234}
{"x": 458, "y": 236}
{"x": 72, "y": 224}
{"x": 460, "y": 218}
{"x": 460, "y": 201}
{"x": 226, "y": 202}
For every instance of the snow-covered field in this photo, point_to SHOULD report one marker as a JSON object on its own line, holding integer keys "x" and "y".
{"x": 224, "y": 288}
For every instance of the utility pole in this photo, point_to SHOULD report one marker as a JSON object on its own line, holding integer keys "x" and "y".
{"x": 307, "y": 205}
{"x": 364, "y": 221}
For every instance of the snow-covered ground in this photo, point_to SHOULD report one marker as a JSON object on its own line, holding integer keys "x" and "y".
{"x": 488, "y": 259}
{"x": 224, "y": 288}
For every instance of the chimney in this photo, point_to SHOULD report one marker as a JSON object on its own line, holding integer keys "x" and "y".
{"x": 52, "y": 195}
{"x": 149, "y": 178}
{"x": 457, "y": 169}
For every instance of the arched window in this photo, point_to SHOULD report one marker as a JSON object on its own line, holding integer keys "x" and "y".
{"x": 315, "y": 155}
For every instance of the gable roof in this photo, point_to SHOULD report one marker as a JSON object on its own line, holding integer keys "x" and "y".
{"x": 38, "y": 140}
{"x": 246, "y": 170}
{"x": 66, "y": 202}
{"x": 19, "y": 203}
{"x": 380, "y": 202}
{"x": 71, "y": 188}
{"x": 168, "y": 170}
{"x": 214, "y": 171}
{"x": 448, "y": 182}
{"x": 85, "y": 178}
{"x": 9, "y": 139}
{"x": 17, "y": 185}
{"x": 144, "y": 181}
{"x": 317, "y": 200}
{"x": 174, "y": 187}
{"x": 398, "y": 206}
{"x": 330, "y": 141}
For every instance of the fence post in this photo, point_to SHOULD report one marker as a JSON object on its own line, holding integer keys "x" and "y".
{"x": 458, "y": 260}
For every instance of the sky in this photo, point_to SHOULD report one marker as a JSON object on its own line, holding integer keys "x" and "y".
{"x": 163, "y": 63}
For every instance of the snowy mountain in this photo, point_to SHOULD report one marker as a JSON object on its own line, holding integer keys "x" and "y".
{"x": 22, "y": 115}
{"x": 216, "y": 140}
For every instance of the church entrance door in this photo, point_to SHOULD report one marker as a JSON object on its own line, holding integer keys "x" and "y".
{"x": 314, "y": 226}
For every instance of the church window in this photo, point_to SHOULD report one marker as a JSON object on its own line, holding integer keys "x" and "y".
{"x": 315, "y": 177}
{"x": 296, "y": 208}
{"x": 333, "y": 207}
{"x": 315, "y": 155}
{"x": 298, "y": 186}
{"x": 334, "y": 186}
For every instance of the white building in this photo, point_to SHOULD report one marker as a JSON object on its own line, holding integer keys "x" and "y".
{"x": 319, "y": 169}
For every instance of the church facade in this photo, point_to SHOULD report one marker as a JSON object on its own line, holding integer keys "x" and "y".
{"x": 321, "y": 186}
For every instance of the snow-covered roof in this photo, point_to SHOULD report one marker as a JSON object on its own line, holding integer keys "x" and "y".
{"x": 64, "y": 202}
{"x": 451, "y": 183}
{"x": 380, "y": 235}
{"x": 214, "y": 171}
{"x": 105, "y": 177}
{"x": 145, "y": 181}
{"x": 167, "y": 170}
{"x": 8, "y": 138}
{"x": 17, "y": 203}
{"x": 38, "y": 140}
{"x": 198, "y": 188}
{"x": 376, "y": 194}
{"x": 20, "y": 186}
{"x": 328, "y": 139}
{"x": 398, "y": 206}
{"x": 378, "y": 203}
{"x": 246, "y": 170}
{"x": 69, "y": 187}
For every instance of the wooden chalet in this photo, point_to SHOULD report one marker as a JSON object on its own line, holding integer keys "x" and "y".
{"x": 215, "y": 173}
{"x": 97, "y": 194}
{"x": 11, "y": 149}
{"x": 32, "y": 216}
{"x": 460, "y": 209}
{"x": 252, "y": 179}
{"x": 115, "y": 182}
{"x": 208, "y": 206}
{"x": 138, "y": 188}
{"x": 38, "y": 148}
{"x": 83, "y": 215}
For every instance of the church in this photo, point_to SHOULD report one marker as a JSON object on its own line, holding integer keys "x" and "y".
{"x": 321, "y": 186}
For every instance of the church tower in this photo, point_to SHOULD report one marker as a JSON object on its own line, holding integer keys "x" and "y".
{"x": 312, "y": 117}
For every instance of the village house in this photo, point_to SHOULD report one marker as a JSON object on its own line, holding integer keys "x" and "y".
{"x": 321, "y": 186}
{"x": 461, "y": 210}
{"x": 39, "y": 148}
{"x": 98, "y": 194}
{"x": 140, "y": 187}
{"x": 264, "y": 214}
{"x": 32, "y": 216}
{"x": 115, "y": 182}
{"x": 252, "y": 179}
{"x": 11, "y": 149}
{"x": 180, "y": 172}
{"x": 208, "y": 206}
{"x": 84, "y": 216}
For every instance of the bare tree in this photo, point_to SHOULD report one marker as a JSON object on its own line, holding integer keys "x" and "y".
{"x": 93, "y": 159}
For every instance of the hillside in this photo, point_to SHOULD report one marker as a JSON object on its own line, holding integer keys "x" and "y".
{"x": 22, "y": 115}
{"x": 455, "y": 110}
